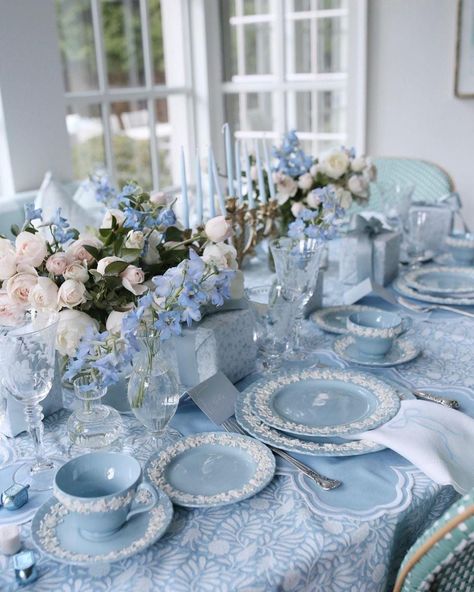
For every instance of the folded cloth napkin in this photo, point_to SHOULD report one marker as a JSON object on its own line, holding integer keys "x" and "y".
{"x": 436, "y": 439}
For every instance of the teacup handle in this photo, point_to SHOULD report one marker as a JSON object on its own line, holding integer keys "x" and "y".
{"x": 140, "y": 508}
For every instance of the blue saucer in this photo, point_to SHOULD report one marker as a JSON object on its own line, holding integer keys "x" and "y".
{"x": 403, "y": 350}
{"x": 55, "y": 533}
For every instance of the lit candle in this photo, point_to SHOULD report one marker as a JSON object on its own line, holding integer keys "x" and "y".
{"x": 198, "y": 191}
{"x": 229, "y": 159}
{"x": 184, "y": 190}
{"x": 212, "y": 207}
{"x": 238, "y": 172}
{"x": 268, "y": 166}
{"x": 261, "y": 183}
{"x": 220, "y": 195}
{"x": 249, "y": 179}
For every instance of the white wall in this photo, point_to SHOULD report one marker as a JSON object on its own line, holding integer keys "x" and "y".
{"x": 412, "y": 110}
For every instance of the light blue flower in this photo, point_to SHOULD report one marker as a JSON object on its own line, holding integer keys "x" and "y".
{"x": 31, "y": 213}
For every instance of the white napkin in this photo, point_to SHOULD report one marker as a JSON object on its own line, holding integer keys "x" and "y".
{"x": 436, "y": 439}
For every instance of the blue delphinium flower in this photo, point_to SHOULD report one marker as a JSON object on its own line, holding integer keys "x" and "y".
{"x": 104, "y": 191}
{"x": 166, "y": 218}
{"x": 60, "y": 228}
{"x": 168, "y": 324}
{"x": 319, "y": 223}
{"x": 292, "y": 160}
{"x": 31, "y": 213}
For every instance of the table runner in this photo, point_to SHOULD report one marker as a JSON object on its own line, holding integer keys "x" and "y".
{"x": 292, "y": 536}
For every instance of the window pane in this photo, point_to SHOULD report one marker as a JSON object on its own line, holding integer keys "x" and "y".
{"x": 256, "y": 7}
{"x": 250, "y": 111}
{"x": 86, "y": 134}
{"x": 303, "y": 48}
{"x": 301, "y": 5}
{"x": 123, "y": 42}
{"x": 131, "y": 142}
{"x": 330, "y": 4}
{"x": 257, "y": 48}
{"x": 156, "y": 29}
{"x": 332, "y": 42}
{"x": 163, "y": 135}
{"x": 76, "y": 42}
{"x": 322, "y": 112}
{"x": 331, "y": 111}
{"x": 326, "y": 145}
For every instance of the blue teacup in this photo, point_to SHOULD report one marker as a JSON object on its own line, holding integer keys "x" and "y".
{"x": 374, "y": 330}
{"x": 461, "y": 247}
{"x": 100, "y": 489}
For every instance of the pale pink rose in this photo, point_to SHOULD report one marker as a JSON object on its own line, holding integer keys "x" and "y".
{"x": 358, "y": 185}
{"x": 20, "y": 285}
{"x": 71, "y": 294}
{"x": 31, "y": 249}
{"x": 344, "y": 197}
{"x": 222, "y": 255}
{"x": 76, "y": 271}
{"x": 159, "y": 198}
{"x": 103, "y": 263}
{"x": 77, "y": 252}
{"x": 132, "y": 277}
{"x": 358, "y": 164}
{"x": 44, "y": 295}
{"x": 9, "y": 310}
{"x": 218, "y": 229}
{"x": 109, "y": 215}
{"x": 313, "y": 200}
{"x": 7, "y": 259}
{"x": 296, "y": 208}
{"x": 315, "y": 169}
{"x": 114, "y": 321}
{"x": 72, "y": 326}
{"x": 305, "y": 182}
{"x": 286, "y": 187}
{"x": 57, "y": 263}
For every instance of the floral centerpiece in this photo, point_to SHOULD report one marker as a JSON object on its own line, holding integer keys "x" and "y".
{"x": 140, "y": 271}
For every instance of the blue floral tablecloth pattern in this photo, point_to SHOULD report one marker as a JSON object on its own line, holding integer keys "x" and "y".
{"x": 292, "y": 536}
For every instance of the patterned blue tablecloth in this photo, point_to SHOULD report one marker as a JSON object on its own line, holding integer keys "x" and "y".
{"x": 292, "y": 536}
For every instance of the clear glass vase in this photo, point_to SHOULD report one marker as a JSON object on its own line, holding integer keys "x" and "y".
{"x": 94, "y": 425}
{"x": 154, "y": 392}
{"x": 297, "y": 264}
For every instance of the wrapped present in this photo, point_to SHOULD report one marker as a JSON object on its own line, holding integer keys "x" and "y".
{"x": 369, "y": 250}
{"x": 14, "y": 421}
{"x": 221, "y": 341}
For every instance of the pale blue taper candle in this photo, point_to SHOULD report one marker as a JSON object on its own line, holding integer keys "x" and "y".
{"x": 184, "y": 190}
{"x": 249, "y": 179}
{"x": 220, "y": 195}
{"x": 261, "y": 183}
{"x": 238, "y": 172}
{"x": 229, "y": 160}
{"x": 268, "y": 166}
{"x": 199, "y": 207}
{"x": 212, "y": 207}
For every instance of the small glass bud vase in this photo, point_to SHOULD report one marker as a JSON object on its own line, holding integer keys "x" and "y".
{"x": 93, "y": 425}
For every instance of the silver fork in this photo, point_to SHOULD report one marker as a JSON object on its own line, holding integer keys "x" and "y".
{"x": 430, "y": 307}
{"x": 230, "y": 425}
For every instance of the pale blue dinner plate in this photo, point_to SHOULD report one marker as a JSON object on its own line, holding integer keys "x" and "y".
{"x": 405, "y": 290}
{"x": 211, "y": 469}
{"x": 323, "y": 402}
{"x": 334, "y": 318}
{"x": 403, "y": 350}
{"x": 441, "y": 281}
{"x": 55, "y": 532}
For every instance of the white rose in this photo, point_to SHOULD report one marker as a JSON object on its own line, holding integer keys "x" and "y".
{"x": 77, "y": 252}
{"x": 109, "y": 215}
{"x": 296, "y": 208}
{"x": 358, "y": 164}
{"x": 132, "y": 277}
{"x": 335, "y": 163}
{"x": 286, "y": 187}
{"x": 358, "y": 185}
{"x": 57, "y": 263}
{"x": 152, "y": 255}
{"x": 305, "y": 182}
{"x": 103, "y": 263}
{"x": 44, "y": 295}
{"x": 9, "y": 310}
{"x": 313, "y": 200}
{"x": 20, "y": 285}
{"x": 159, "y": 198}
{"x": 218, "y": 229}
{"x": 72, "y": 326}
{"x": 135, "y": 240}
{"x": 76, "y": 271}
{"x": 31, "y": 249}
{"x": 222, "y": 255}
{"x": 7, "y": 259}
{"x": 237, "y": 286}
{"x": 71, "y": 294}
{"x": 114, "y": 321}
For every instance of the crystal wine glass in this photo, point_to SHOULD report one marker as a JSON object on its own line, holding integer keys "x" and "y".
{"x": 297, "y": 264}
{"x": 29, "y": 347}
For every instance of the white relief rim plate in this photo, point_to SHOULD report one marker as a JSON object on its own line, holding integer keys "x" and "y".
{"x": 256, "y": 459}
{"x": 404, "y": 350}
{"x": 277, "y": 406}
{"x": 414, "y": 280}
{"x": 404, "y": 289}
